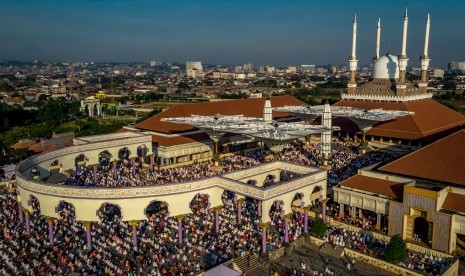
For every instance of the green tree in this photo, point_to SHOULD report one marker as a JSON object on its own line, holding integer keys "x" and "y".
{"x": 319, "y": 227}
{"x": 183, "y": 86}
{"x": 396, "y": 250}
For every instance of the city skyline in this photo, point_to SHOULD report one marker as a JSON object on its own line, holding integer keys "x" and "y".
{"x": 221, "y": 32}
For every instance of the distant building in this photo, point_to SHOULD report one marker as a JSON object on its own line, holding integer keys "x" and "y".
{"x": 91, "y": 106}
{"x": 321, "y": 70}
{"x": 194, "y": 69}
{"x": 438, "y": 73}
{"x": 307, "y": 68}
{"x": 261, "y": 69}
{"x": 256, "y": 95}
{"x": 248, "y": 67}
{"x": 270, "y": 69}
{"x": 457, "y": 65}
{"x": 100, "y": 95}
{"x": 291, "y": 70}
{"x": 194, "y": 65}
{"x": 195, "y": 73}
{"x": 237, "y": 69}
{"x": 155, "y": 63}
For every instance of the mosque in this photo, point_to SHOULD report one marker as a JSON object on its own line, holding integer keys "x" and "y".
{"x": 419, "y": 196}
{"x": 389, "y": 89}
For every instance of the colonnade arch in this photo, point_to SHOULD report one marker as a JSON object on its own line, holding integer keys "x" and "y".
{"x": 124, "y": 154}
{"x": 109, "y": 211}
{"x": 199, "y": 203}
{"x": 157, "y": 208}
{"x": 104, "y": 157}
{"x": 298, "y": 202}
{"x": 66, "y": 211}
{"x": 91, "y": 107}
{"x": 81, "y": 160}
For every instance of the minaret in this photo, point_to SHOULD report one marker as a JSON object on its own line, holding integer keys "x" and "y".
{"x": 267, "y": 112}
{"x": 423, "y": 84}
{"x": 326, "y": 135}
{"x": 403, "y": 59}
{"x": 352, "y": 85}
{"x": 378, "y": 39}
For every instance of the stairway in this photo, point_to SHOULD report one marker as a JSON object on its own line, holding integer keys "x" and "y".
{"x": 328, "y": 250}
{"x": 242, "y": 263}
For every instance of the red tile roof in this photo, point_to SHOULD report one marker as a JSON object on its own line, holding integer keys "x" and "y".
{"x": 24, "y": 144}
{"x": 374, "y": 185}
{"x": 15, "y": 100}
{"x": 247, "y": 107}
{"x": 167, "y": 141}
{"x": 454, "y": 202}
{"x": 442, "y": 161}
{"x": 431, "y": 119}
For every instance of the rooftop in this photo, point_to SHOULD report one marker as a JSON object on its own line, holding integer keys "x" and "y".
{"x": 246, "y": 107}
{"x": 442, "y": 161}
{"x": 374, "y": 185}
{"x": 454, "y": 202}
{"x": 429, "y": 121}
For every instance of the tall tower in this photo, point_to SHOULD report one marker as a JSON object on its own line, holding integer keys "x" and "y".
{"x": 423, "y": 84}
{"x": 352, "y": 85}
{"x": 403, "y": 59}
{"x": 267, "y": 111}
{"x": 326, "y": 135}
{"x": 378, "y": 39}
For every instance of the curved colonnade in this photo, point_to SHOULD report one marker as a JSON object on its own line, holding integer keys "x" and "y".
{"x": 171, "y": 200}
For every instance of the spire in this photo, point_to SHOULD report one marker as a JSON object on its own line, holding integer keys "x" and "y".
{"x": 404, "y": 35}
{"x": 354, "y": 36}
{"x": 425, "y": 52}
{"x": 352, "y": 85}
{"x": 378, "y": 37}
{"x": 424, "y": 59}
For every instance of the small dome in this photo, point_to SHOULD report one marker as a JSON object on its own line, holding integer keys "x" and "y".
{"x": 386, "y": 67}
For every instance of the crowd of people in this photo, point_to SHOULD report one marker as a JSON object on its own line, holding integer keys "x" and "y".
{"x": 367, "y": 244}
{"x": 158, "y": 250}
{"x": 345, "y": 161}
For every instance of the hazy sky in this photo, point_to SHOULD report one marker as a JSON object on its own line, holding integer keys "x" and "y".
{"x": 225, "y": 31}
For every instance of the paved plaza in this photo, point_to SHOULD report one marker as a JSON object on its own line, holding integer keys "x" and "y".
{"x": 313, "y": 257}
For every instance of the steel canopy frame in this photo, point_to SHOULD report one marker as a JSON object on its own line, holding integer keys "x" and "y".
{"x": 364, "y": 119}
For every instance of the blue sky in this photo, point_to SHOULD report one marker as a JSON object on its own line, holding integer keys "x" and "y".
{"x": 225, "y": 31}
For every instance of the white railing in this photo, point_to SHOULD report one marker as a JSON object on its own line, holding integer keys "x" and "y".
{"x": 222, "y": 181}
{"x": 374, "y": 97}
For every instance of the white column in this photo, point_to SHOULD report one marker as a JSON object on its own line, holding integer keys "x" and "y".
{"x": 425, "y": 51}
{"x": 378, "y": 37}
{"x": 267, "y": 111}
{"x": 354, "y": 36}
{"x": 326, "y": 135}
{"x": 341, "y": 209}
{"x": 404, "y": 35}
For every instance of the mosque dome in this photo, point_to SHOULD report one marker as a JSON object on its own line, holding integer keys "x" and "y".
{"x": 386, "y": 67}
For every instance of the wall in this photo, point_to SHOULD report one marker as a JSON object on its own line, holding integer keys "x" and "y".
{"x": 395, "y": 269}
{"x": 134, "y": 200}
{"x": 361, "y": 200}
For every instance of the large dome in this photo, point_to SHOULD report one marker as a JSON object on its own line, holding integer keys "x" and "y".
{"x": 386, "y": 67}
